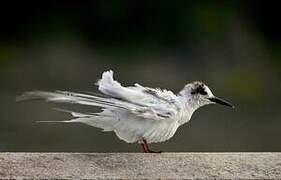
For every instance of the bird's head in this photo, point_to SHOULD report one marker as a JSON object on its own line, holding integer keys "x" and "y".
{"x": 198, "y": 94}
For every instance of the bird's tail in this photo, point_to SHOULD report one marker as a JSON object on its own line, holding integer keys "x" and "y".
{"x": 52, "y": 121}
{"x": 75, "y": 115}
{"x": 112, "y": 99}
{"x": 103, "y": 120}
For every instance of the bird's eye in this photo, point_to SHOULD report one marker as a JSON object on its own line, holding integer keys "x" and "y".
{"x": 199, "y": 90}
{"x": 202, "y": 91}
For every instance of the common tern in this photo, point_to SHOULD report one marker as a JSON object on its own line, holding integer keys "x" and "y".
{"x": 135, "y": 113}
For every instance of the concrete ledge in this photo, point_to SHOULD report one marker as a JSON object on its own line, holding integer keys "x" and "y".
{"x": 138, "y": 165}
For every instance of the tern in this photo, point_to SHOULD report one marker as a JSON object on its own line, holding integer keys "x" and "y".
{"x": 136, "y": 114}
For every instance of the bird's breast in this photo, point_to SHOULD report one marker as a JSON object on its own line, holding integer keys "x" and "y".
{"x": 183, "y": 116}
{"x": 160, "y": 131}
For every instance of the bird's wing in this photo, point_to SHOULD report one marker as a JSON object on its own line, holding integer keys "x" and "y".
{"x": 148, "y": 103}
{"x": 136, "y": 94}
{"x": 152, "y": 102}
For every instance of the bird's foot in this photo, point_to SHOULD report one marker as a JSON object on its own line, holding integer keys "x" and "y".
{"x": 150, "y": 151}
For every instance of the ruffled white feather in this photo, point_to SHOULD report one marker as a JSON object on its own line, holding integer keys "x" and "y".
{"x": 132, "y": 113}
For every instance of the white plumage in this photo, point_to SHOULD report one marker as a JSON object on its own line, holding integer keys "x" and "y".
{"x": 134, "y": 113}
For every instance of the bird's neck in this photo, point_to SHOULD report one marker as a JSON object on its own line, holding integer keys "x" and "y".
{"x": 187, "y": 110}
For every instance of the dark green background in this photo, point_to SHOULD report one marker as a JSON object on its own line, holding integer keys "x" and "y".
{"x": 234, "y": 47}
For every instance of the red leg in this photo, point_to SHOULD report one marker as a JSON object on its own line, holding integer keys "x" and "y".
{"x": 146, "y": 149}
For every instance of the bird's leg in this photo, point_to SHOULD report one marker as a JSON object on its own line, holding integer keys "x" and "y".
{"x": 146, "y": 147}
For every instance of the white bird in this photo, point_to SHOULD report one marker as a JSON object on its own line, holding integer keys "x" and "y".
{"x": 135, "y": 113}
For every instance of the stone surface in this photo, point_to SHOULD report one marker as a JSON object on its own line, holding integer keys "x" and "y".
{"x": 139, "y": 165}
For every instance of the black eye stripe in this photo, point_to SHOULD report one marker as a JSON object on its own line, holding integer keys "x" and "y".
{"x": 199, "y": 90}
{"x": 203, "y": 92}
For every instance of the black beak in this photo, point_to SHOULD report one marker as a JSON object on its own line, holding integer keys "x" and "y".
{"x": 220, "y": 101}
